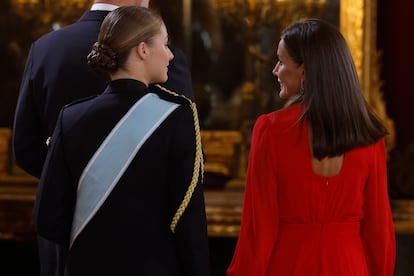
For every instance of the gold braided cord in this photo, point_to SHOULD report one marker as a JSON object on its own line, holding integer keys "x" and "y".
{"x": 198, "y": 161}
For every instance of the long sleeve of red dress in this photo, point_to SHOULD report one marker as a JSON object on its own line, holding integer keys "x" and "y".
{"x": 253, "y": 248}
{"x": 377, "y": 230}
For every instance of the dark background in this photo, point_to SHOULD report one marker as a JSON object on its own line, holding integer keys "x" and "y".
{"x": 395, "y": 40}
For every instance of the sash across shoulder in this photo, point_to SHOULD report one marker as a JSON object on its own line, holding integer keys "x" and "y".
{"x": 114, "y": 156}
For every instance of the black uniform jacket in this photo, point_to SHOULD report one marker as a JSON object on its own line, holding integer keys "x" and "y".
{"x": 56, "y": 74}
{"x": 130, "y": 233}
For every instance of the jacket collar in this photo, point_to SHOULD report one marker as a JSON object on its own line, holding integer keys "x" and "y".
{"x": 103, "y": 7}
{"x": 94, "y": 16}
{"x": 128, "y": 87}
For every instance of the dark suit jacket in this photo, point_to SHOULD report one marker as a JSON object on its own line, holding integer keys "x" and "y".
{"x": 56, "y": 73}
{"x": 129, "y": 235}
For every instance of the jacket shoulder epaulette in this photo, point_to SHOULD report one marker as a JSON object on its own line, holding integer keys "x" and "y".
{"x": 169, "y": 95}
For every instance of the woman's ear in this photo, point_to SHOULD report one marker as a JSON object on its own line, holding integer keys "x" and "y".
{"x": 141, "y": 50}
{"x": 302, "y": 68}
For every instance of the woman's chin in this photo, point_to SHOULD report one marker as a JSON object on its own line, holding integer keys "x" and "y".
{"x": 161, "y": 80}
{"x": 283, "y": 95}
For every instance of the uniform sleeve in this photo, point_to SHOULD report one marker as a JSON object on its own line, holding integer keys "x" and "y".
{"x": 191, "y": 231}
{"x": 29, "y": 144}
{"x": 259, "y": 224}
{"x": 377, "y": 227}
{"x": 53, "y": 210}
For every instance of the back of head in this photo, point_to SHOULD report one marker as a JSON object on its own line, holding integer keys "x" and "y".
{"x": 122, "y": 29}
{"x": 334, "y": 105}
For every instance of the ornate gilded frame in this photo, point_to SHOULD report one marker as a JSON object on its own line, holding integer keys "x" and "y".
{"x": 358, "y": 23}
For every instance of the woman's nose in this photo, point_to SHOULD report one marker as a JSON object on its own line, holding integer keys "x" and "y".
{"x": 275, "y": 69}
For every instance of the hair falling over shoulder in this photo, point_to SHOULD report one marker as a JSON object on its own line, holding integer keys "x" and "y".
{"x": 334, "y": 105}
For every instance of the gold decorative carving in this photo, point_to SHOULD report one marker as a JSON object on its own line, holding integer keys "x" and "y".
{"x": 220, "y": 149}
{"x": 5, "y": 135}
{"x": 224, "y": 210}
{"x": 358, "y": 23}
{"x": 351, "y": 25}
{"x": 48, "y": 12}
{"x": 403, "y": 215}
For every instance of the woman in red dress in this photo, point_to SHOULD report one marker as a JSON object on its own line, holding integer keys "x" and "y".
{"x": 316, "y": 200}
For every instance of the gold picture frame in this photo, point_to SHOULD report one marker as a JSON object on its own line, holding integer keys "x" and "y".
{"x": 358, "y": 24}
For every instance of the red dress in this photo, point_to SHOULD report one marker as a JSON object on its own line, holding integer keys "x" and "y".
{"x": 296, "y": 222}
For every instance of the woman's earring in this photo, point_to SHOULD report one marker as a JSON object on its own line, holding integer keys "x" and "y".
{"x": 302, "y": 88}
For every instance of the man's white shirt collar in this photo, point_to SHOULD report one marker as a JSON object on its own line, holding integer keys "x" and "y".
{"x": 103, "y": 7}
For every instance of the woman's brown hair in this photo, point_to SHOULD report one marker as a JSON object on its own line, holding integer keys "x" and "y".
{"x": 337, "y": 113}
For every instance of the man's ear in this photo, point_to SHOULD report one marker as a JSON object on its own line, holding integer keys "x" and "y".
{"x": 141, "y": 50}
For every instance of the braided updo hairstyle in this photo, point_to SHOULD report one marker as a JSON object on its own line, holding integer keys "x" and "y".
{"x": 123, "y": 29}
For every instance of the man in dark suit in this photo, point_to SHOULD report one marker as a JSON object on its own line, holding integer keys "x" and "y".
{"x": 56, "y": 74}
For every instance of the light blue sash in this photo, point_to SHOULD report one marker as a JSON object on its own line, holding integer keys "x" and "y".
{"x": 114, "y": 156}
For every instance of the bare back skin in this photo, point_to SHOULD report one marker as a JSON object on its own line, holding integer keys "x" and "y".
{"x": 328, "y": 166}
